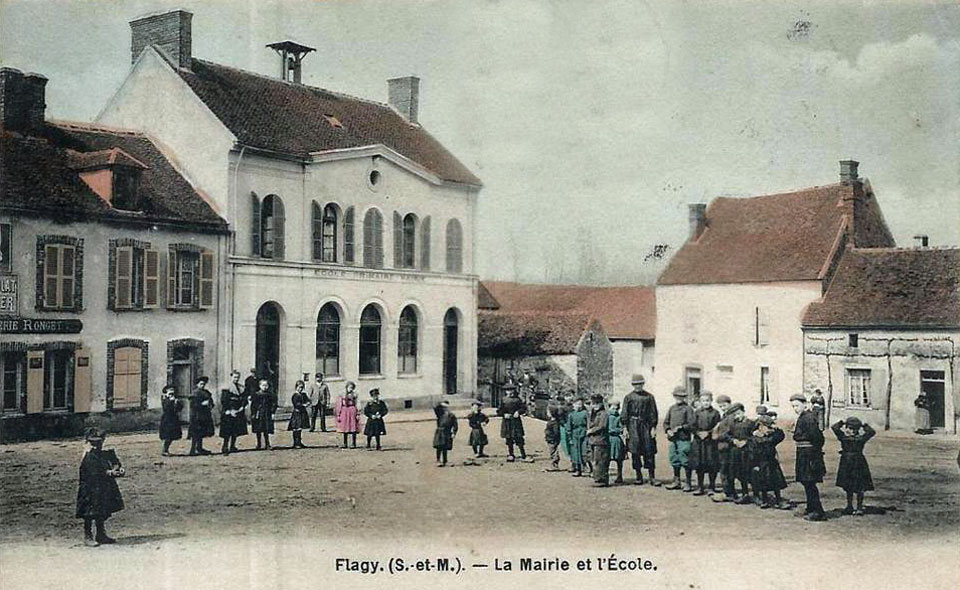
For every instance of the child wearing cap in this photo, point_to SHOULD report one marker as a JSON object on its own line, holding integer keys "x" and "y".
{"x": 551, "y": 435}
{"x": 766, "y": 472}
{"x": 810, "y": 468}
{"x": 201, "y": 417}
{"x": 577, "y": 431}
{"x": 170, "y": 429}
{"x": 445, "y": 432}
{"x": 98, "y": 495}
{"x": 853, "y": 474}
{"x": 478, "y": 438}
{"x": 614, "y": 431}
{"x": 679, "y": 424}
{"x": 704, "y": 455}
{"x": 741, "y": 430}
{"x": 722, "y": 434}
{"x": 375, "y": 410}
{"x": 300, "y": 416}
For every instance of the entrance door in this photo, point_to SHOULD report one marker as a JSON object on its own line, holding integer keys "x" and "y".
{"x": 268, "y": 344}
{"x": 933, "y": 384}
{"x": 184, "y": 378}
{"x": 451, "y": 329}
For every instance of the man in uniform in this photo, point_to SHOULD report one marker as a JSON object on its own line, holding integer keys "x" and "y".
{"x": 511, "y": 429}
{"x": 809, "y": 466}
{"x": 319, "y": 394}
{"x": 640, "y": 418}
{"x": 599, "y": 441}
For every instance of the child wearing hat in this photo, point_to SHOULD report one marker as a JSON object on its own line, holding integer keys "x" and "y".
{"x": 233, "y": 416}
{"x": 375, "y": 410}
{"x": 98, "y": 495}
{"x": 201, "y": 417}
{"x": 704, "y": 454}
{"x": 819, "y": 407}
{"x": 476, "y": 420}
{"x": 552, "y": 436}
{"x": 767, "y": 475}
{"x": 445, "y": 432}
{"x": 810, "y": 468}
{"x": 511, "y": 428}
{"x": 300, "y": 416}
{"x": 853, "y": 474}
{"x": 722, "y": 434}
{"x": 170, "y": 429}
{"x": 577, "y": 421}
{"x": 615, "y": 431}
{"x": 263, "y": 405}
{"x": 679, "y": 423}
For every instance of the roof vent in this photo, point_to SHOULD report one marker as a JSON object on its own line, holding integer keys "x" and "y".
{"x": 291, "y": 55}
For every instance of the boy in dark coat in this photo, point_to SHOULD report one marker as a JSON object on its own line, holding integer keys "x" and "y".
{"x": 679, "y": 425}
{"x": 300, "y": 414}
{"x": 375, "y": 410}
{"x": 809, "y": 465}
{"x": 233, "y": 415}
{"x": 478, "y": 438}
{"x": 741, "y": 461}
{"x": 853, "y": 474}
{"x": 732, "y": 420}
{"x": 767, "y": 475}
{"x": 640, "y": 419}
{"x": 444, "y": 434}
{"x": 511, "y": 429}
{"x": 98, "y": 495}
{"x": 722, "y": 434}
{"x": 704, "y": 455}
{"x": 598, "y": 438}
{"x": 170, "y": 429}
{"x": 551, "y": 435}
{"x": 263, "y": 404}
{"x": 201, "y": 417}
{"x": 614, "y": 432}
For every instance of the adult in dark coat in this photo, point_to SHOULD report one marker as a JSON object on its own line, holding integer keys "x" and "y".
{"x": 445, "y": 432}
{"x": 853, "y": 474}
{"x": 263, "y": 405}
{"x": 170, "y": 429}
{"x": 598, "y": 437}
{"x": 201, "y": 417}
{"x": 640, "y": 419}
{"x": 511, "y": 428}
{"x": 375, "y": 410}
{"x": 233, "y": 414}
{"x": 98, "y": 495}
{"x": 809, "y": 464}
{"x": 704, "y": 454}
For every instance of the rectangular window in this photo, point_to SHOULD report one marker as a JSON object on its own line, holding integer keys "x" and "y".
{"x": 13, "y": 366}
{"x": 761, "y": 328}
{"x": 764, "y": 385}
{"x": 136, "y": 270}
{"x": 6, "y": 250}
{"x": 858, "y": 388}
{"x": 187, "y": 263}
{"x": 853, "y": 340}
{"x": 407, "y": 350}
{"x": 694, "y": 381}
{"x": 58, "y": 379}
{"x": 59, "y": 276}
{"x": 125, "y": 186}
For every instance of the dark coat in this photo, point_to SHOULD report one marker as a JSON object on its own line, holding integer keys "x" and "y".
{"x": 741, "y": 463}
{"x": 233, "y": 399}
{"x": 598, "y": 428}
{"x": 511, "y": 429}
{"x": 201, "y": 414}
{"x": 250, "y": 386}
{"x": 477, "y": 435}
{"x": 263, "y": 404}
{"x": 98, "y": 495}
{"x": 704, "y": 454}
{"x": 639, "y": 412}
{"x": 680, "y": 419}
{"x": 766, "y": 472}
{"x": 446, "y": 429}
{"x": 375, "y": 426}
{"x": 853, "y": 474}
{"x": 300, "y": 415}
{"x": 551, "y": 432}
{"x": 809, "y": 439}
{"x": 170, "y": 428}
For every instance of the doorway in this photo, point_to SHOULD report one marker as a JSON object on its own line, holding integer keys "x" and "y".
{"x": 451, "y": 336}
{"x": 268, "y": 345}
{"x": 183, "y": 366}
{"x": 933, "y": 384}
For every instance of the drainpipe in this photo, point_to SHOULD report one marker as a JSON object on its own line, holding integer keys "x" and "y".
{"x": 233, "y": 270}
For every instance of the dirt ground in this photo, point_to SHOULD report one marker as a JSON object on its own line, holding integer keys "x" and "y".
{"x": 279, "y": 519}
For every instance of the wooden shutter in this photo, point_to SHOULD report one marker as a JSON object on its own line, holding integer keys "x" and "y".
{"x": 206, "y": 279}
{"x": 151, "y": 279}
{"x": 123, "y": 274}
{"x": 425, "y": 243}
{"x": 51, "y": 274}
{"x": 397, "y": 240}
{"x": 255, "y": 248}
{"x": 82, "y": 382}
{"x": 316, "y": 218}
{"x": 377, "y": 239}
{"x": 278, "y": 223}
{"x": 349, "y": 240}
{"x": 172, "y": 277}
{"x": 35, "y": 376}
{"x": 68, "y": 270}
{"x": 126, "y": 377}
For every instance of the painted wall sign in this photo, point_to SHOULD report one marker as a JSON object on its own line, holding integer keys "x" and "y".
{"x": 39, "y": 326}
{"x": 9, "y": 295}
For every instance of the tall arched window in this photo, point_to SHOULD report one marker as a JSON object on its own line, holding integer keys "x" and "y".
{"x": 349, "y": 240}
{"x": 407, "y": 341}
{"x": 408, "y": 248}
{"x": 328, "y": 340}
{"x": 373, "y": 239}
{"x": 370, "y": 324}
{"x": 271, "y": 228}
{"x": 454, "y": 246}
{"x": 316, "y": 226}
{"x": 329, "y": 233}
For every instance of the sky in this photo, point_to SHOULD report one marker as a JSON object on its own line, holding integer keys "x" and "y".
{"x": 592, "y": 123}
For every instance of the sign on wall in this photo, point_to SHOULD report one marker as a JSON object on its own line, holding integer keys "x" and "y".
{"x": 38, "y": 326}
{"x": 9, "y": 295}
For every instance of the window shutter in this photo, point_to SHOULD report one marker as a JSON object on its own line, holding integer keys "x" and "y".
{"x": 123, "y": 287}
{"x": 764, "y": 328}
{"x": 82, "y": 382}
{"x": 397, "y": 240}
{"x": 377, "y": 239}
{"x": 67, "y": 275}
{"x": 349, "y": 241}
{"x": 206, "y": 279}
{"x": 35, "y": 373}
{"x": 317, "y": 227}
{"x": 127, "y": 364}
{"x": 51, "y": 268}
{"x": 278, "y": 223}
{"x": 255, "y": 225}
{"x": 425, "y": 243}
{"x": 151, "y": 279}
{"x": 172, "y": 278}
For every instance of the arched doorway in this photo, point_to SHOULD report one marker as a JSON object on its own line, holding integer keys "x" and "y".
{"x": 451, "y": 339}
{"x": 268, "y": 344}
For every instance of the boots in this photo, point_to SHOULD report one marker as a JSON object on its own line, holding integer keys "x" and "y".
{"x": 225, "y": 447}
{"x": 88, "y": 539}
{"x": 675, "y": 482}
{"x": 102, "y": 537}
{"x": 686, "y": 484}
{"x": 653, "y": 480}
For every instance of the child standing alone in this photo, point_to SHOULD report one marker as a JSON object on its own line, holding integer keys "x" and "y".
{"x": 478, "y": 438}
{"x": 445, "y": 432}
{"x": 853, "y": 474}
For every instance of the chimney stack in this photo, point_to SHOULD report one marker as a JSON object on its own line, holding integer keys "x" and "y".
{"x": 921, "y": 241}
{"x": 170, "y": 31}
{"x": 848, "y": 171}
{"x": 22, "y": 101}
{"x": 698, "y": 220}
{"x": 404, "y": 95}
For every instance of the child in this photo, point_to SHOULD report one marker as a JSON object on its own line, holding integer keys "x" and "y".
{"x": 614, "y": 431}
{"x": 348, "y": 417}
{"x": 300, "y": 416}
{"x": 444, "y": 434}
{"x": 767, "y": 475}
{"x": 233, "y": 416}
{"x": 201, "y": 417}
{"x": 263, "y": 404}
{"x": 511, "y": 428}
{"x": 478, "y": 438}
{"x": 819, "y": 407}
{"x": 740, "y": 432}
{"x": 560, "y": 408}
{"x": 170, "y": 429}
{"x": 577, "y": 431}
{"x": 853, "y": 474}
{"x": 98, "y": 495}
{"x": 704, "y": 454}
{"x": 375, "y": 410}
{"x": 551, "y": 434}
{"x": 678, "y": 424}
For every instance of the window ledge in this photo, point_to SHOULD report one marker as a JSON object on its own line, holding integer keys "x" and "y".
{"x": 409, "y": 375}
{"x": 58, "y": 310}
{"x": 371, "y": 377}
{"x": 186, "y": 309}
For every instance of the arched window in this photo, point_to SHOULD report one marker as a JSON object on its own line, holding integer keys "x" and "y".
{"x": 349, "y": 240}
{"x": 328, "y": 340}
{"x": 407, "y": 341}
{"x": 408, "y": 258}
{"x": 271, "y": 228}
{"x": 370, "y": 324}
{"x": 454, "y": 246}
{"x": 330, "y": 233}
{"x": 373, "y": 239}
{"x": 316, "y": 226}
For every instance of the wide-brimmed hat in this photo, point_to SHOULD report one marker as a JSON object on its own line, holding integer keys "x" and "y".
{"x": 679, "y": 391}
{"x": 95, "y": 434}
{"x": 637, "y": 379}
{"x": 375, "y": 391}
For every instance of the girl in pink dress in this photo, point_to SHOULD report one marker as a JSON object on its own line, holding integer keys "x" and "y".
{"x": 348, "y": 415}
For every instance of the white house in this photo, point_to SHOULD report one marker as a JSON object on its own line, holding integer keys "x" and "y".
{"x": 352, "y": 226}
{"x": 730, "y": 303}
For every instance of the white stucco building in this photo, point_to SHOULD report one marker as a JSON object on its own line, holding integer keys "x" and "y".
{"x": 352, "y": 226}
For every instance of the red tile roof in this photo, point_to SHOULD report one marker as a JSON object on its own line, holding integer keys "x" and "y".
{"x": 526, "y": 333}
{"x": 294, "y": 119}
{"x": 891, "y": 287}
{"x": 102, "y": 158}
{"x": 624, "y": 312}
{"x": 782, "y": 237}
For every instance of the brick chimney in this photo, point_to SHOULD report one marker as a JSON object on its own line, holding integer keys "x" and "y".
{"x": 22, "y": 101}
{"x": 404, "y": 95}
{"x": 852, "y": 198}
{"x": 698, "y": 220}
{"x": 848, "y": 171}
{"x": 170, "y": 31}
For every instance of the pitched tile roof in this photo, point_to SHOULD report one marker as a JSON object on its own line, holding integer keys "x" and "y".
{"x": 102, "y": 158}
{"x": 39, "y": 177}
{"x": 295, "y": 119}
{"x": 891, "y": 287}
{"x": 624, "y": 312}
{"x": 782, "y": 237}
{"x": 528, "y": 333}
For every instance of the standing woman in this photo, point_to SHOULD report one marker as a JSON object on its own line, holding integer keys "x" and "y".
{"x": 170, "y": 429}
{"x": 262, "y": 407}
{"x": 233, "y": 414}
{"x": 300, "y": 417}
{"x": 375, "y": 410}
{"x": 347, "y": 415}
{"x": 444, "y": 434}
{"x": 923, "y": 414}
{"x": 98, "y": 495}
{"x": 201, "y": 417}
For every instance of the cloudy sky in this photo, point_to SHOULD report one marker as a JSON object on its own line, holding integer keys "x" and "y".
{"x": 592, "y": 123}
